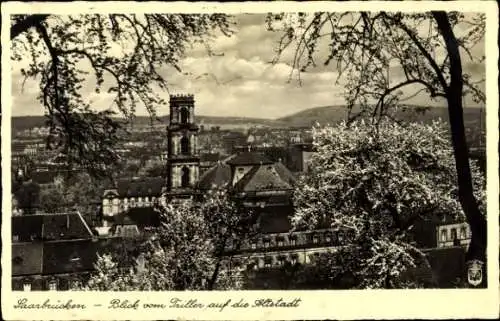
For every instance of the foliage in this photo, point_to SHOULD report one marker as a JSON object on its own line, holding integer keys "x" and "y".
{"x": 185, "y": 253}
{"x": 127, "y": 55}
{"x": 27, "y": 196}
{"x": 76, "y": 192}
{"x": 377, "y": 180}
{"x": 379, "y": 54}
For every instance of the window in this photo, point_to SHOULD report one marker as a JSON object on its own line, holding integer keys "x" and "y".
{"x": 463, "y": 233}
{"x": 185, "y": 177}
{"x": 27, "y": 287}
{"x": 241, "y": 170}
{"x": 281, "y": 260}
{"x": 253, "y": 245}
{"x": 454, "y": 235}
{"x": 15, "y": 238}
{"x": 53, "y": 285}
{"x": 267, "y": 262}
{"x": 315, "y": 239}
{"x": 185, "y": 145}
{"x": 280, "y": 241}
{"x": 444, "y": 236}
{"x": 328, "y": 238}
{"x": 293, "y": 259}
{"x": 184, "y": 116}
{"x": 267, "y": 243}
{"x": 293, "y": 240}
{"x": 340, "y": 236}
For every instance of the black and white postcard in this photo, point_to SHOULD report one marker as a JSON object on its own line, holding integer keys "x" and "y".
{"x": 247, "y": 161}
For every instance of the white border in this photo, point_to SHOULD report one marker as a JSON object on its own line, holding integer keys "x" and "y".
{"x": 366, "y": 304}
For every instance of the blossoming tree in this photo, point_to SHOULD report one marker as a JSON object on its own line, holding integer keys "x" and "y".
{"x": 376, "y": 181}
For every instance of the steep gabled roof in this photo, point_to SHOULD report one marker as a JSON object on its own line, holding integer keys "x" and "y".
{"x": 65, "y": 226}
{"x": 285, "y": 173}
{"x": 217, "y": 176}
{"x": 262, "y": 178}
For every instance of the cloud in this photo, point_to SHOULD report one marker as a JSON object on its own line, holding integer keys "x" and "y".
{"x": 238, "y": 79}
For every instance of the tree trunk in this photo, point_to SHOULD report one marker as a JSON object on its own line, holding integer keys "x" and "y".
{"x": 454, "y": 92}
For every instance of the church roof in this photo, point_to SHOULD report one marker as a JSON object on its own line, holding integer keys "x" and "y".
{"x": 249, "y": 158}
{"x": 217, "y": 176}
{"x": 285, "y": 173}
{"x": 262, "y": 178}
{"x": 147, "y": 186}
{"x": 264, "y": 175}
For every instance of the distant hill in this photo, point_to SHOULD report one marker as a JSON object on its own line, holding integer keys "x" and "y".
{"x": 474, "y": 117}
{"x": 334, "y": 114}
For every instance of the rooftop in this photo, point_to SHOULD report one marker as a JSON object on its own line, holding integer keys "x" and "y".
{"x": 249, "y": 158}
{"x": 217, "y": 176}
{"x": 50, "y": 226}
{"x": 139, "y": 187}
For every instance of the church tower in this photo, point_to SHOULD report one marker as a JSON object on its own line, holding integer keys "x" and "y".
{"x": 183, "y": 158}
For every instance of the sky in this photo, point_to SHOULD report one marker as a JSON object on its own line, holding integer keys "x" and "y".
{"x": 242, "y": 82}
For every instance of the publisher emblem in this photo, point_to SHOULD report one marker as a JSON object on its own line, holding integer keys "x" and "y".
{"x": 475, "y": 272}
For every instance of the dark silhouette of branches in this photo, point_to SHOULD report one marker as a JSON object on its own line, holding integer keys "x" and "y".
{"x": 128, "y": 55}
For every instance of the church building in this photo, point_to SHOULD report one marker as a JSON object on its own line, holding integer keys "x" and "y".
{"x": 140, "y": 196}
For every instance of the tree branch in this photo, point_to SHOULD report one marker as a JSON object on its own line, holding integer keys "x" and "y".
{"x": 424, "y": 52}
{"x": 28, "y": 22}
